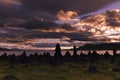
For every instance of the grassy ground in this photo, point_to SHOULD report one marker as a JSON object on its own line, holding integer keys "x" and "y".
{"x": 68, "y": 71}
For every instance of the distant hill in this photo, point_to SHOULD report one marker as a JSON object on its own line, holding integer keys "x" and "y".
{"x": 4, "y": 49}
{"x": 103, "y": 46}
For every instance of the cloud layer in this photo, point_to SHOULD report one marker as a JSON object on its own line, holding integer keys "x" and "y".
{"x": 28, "y": 8}
{"x": 27, "y": 23}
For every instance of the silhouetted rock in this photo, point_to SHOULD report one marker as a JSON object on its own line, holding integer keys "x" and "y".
{"x": 12, "y": 59}
{"x": 95, "y": 57}
{"x": 4, "y": 57}
{"x": 75, "y": 55}
{"x": 74, "y": 51}
{"x": 58, "y": 58}
{"x": 46, "y": 58}
{"x": 58, "y": 51}
{"x": 89, "y": 53}
{"x": 114, "y": 52}
{"x": 106, "y": 56}
{"x": 82, "y": 57}
{"x": 67, "y": 57}
{"x": 23, "y": 58}
{"x": 67, "y": 54}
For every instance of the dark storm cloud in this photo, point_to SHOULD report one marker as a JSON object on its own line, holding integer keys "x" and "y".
{"x": 56, "y": 5}
{"x": 18, "y": 35}
{"x": 36, "y": 24}
{"x": 23, "y": 8}
{"x": 27, "y": 9}
{"x": 83, "y": 36}
{"x": 9, "y": 8}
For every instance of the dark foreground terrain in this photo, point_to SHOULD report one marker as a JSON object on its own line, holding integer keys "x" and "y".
{"x": 90, "y": 66}
{"x": 67, "y": 71}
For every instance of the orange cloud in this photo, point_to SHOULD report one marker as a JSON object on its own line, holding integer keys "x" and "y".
{"x": 66, "y": 15}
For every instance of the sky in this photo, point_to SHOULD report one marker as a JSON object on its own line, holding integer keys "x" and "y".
{"x": 39, "y": 25}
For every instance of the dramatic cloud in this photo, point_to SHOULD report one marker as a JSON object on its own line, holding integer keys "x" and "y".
{"x": 66, "y": 16}
{"x": 56, "y": 5}
{"x": 113, "y": 17}
{"x": 8, "y": 3}
{"x": 32, "y": 24}
{"x": 94, "y": 28}
{"x": 28, "y": 8}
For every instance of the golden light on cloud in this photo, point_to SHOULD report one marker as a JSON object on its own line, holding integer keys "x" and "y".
{"x": 102, "y": 26}
{"x": 58, "y": 30}
{"x": 66, "y": 15}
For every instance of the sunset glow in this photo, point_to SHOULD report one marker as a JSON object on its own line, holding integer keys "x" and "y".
{"x": 24, "y": 26}
{"x": 98, "y": 26}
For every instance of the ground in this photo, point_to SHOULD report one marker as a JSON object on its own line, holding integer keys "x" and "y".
{"x": 66, "y": 71}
